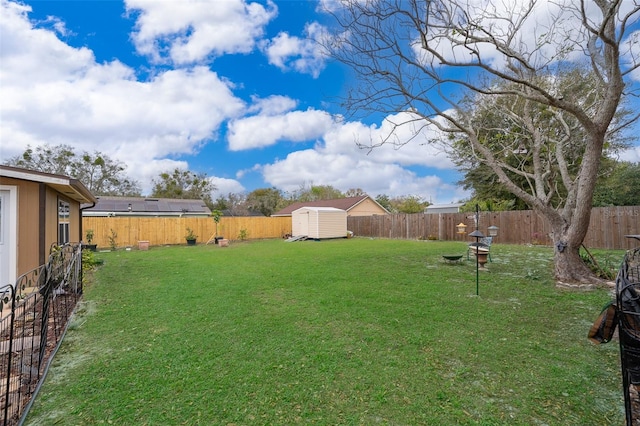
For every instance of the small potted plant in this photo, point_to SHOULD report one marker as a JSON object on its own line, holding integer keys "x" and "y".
{"x": 190, "y": 237}
{"x": 90, "y": 245}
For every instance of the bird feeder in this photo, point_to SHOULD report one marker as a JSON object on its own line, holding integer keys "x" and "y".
{"x": 462, "y": 228}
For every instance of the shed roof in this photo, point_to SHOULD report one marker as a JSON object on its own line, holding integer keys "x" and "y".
{"x": 346, "y": 204}
{"x": 321, "y": 209}
{"x": 452, "y": 207}
{"x": 147, "y": 206}
{"x": 66, "y": 185}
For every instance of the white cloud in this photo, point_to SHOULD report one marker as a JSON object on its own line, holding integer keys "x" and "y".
{"x": 273, "y": 105}
{"x": 225, "y": 186}
{"x": 190, "y": 31}
{"x": 145, "y": 170}
{"x": 53, "y": 93}
{"x": 630, "y": 50}
{"x": 304, "y": 55}
{"x": 264, "y": 129}
{"x": 632, "y": 154}
{"x": 345, "y": 172}
{"x": 338, "y": 161}
{"x": 401, "y": 138}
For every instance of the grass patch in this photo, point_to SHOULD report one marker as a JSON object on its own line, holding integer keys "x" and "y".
{"x": 354, "y": 331}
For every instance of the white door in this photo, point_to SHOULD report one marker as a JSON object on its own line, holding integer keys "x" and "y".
{"x": 8, "y": 231}
{"x": 300, "y": 224}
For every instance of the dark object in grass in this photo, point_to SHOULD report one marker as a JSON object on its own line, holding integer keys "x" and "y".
{"x": 625, "y": 314}
{"x": 451, "y": 258}
{"x": 628, "y": 307}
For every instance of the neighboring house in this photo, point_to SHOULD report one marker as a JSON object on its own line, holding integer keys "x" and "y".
{"x": 36, "y": 210}
{"x": 443, "y": 208}
{"x": 108, "y": 206}
{"x": 354, "y": 206}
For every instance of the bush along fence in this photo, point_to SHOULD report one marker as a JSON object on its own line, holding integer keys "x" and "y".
{"x": 607, "y": 228}
{"x": 34, "y": 314}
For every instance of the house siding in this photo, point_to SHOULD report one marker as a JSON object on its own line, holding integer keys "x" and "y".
{"x": 332, "y": 224}
{"x": 30, "y": 251}
{"x": 28, "y": 213}
{"x": 366, "y": 208}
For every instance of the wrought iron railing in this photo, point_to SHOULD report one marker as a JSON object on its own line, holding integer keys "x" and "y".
{"x": 628, "y": 314}
{"x": 34, "y": 314}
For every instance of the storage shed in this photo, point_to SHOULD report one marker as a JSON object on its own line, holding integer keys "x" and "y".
{"x": 319, "y": 222}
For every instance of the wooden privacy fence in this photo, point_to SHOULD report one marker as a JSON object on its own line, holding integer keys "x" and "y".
{"x": 607, "y": 228}
{"x": 172, "y": 230}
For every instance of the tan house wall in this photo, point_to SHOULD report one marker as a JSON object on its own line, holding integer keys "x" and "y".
{"x": 30, "y": 254}
{"x": 366, "y": 208}
{"x": 28, "y": 214}
{"x": 51, "y": 218}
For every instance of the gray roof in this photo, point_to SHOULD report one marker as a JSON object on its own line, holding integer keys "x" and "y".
{"x": 148, "y": 206}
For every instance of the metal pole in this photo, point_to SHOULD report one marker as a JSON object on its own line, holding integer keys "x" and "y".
{"x": 477, "y": 235}
{"x": 477, "y": 252}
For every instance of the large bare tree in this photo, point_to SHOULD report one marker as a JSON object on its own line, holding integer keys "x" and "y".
{"x": 431, "y": 59}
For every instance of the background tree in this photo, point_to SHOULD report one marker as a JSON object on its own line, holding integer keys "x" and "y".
{"x": 384, "y": 201}
{"x": 354, "y": 192}
{"x": 184, "y": 184}
{"x": 408, "y": 204}
{"x": 619, "y": 188}
{"x": 233, "y": 204}
{"x": 487, "y": 205}
{"x": 265, "y": 200}
{"x": 538, "y": 148}
{"x": 99, "y": 173}
{"x": 436, "y": 59}
{"x": 316, "y": 192}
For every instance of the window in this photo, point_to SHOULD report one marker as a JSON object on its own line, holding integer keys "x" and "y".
{"x": 63, "y": 222}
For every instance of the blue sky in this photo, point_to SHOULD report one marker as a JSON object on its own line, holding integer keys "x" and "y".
{"x": 236, "y": 91}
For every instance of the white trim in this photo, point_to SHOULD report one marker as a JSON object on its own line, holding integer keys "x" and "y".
{"x": 36, "y": 177}
{"x": 12, "y": 242}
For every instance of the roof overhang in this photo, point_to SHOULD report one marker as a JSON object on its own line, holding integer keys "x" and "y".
{"x": 321, "y": 209}
{"x": 70, "y": 187}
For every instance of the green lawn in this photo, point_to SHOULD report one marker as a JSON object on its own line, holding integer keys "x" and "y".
{"x": 357, "y": 332}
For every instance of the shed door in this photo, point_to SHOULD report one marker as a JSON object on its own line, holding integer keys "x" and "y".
{"x": 8, "y": 227}
{"x": 301, "y": 227}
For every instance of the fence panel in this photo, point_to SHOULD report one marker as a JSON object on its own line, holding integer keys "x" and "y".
{"x": 172, "y": 230}
{"x": 607, "y": 228}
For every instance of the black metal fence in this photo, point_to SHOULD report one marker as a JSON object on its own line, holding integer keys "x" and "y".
{"x": 34, "y": 314}
{"x": 628, "y": 313}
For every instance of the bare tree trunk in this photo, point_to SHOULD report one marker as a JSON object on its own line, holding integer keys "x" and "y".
{"x": 568, "y": 265}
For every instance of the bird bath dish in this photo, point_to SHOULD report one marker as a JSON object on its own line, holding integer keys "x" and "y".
{"x": 452, "y": 258}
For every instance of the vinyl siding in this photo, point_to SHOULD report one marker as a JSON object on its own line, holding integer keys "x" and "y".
{"x": 319, "y": 222}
